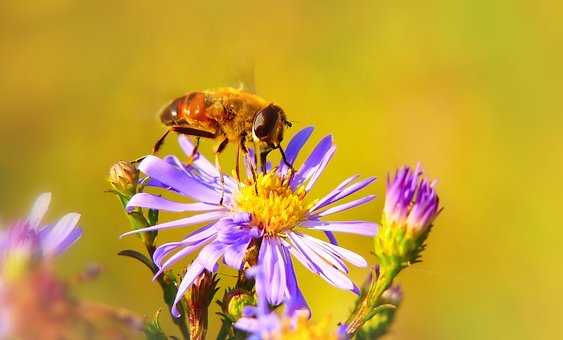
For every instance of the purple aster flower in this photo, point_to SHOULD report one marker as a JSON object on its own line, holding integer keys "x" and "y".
{"x": 258, "y": 320}
{"x": 261, "y": 323}
{"x": 30, "y": 238}
{"x": 411, "y": 200}
{"x": 272, "y": 211}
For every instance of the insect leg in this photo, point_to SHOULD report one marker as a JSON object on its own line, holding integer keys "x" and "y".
{"x": 264, "y": 160}
{"x": 252, "y": 167}
{"x": 218, "y": 149}
{"x": 290, "y": 166}
{"x": 160, "y": 141}
{"x": 255, "y": 168}
{"x": 237, "y": 167}
{"x": 138, "y": 160}
{"x": 194, "y": 151}
{"x": 186, "y": 130}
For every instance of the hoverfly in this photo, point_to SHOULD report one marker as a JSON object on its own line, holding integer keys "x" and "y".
{"x": 227, "y": 115}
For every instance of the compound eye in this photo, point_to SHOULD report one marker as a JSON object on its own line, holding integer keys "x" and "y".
{"x": 265, "y": 122}
{"x": 170, "y": 114}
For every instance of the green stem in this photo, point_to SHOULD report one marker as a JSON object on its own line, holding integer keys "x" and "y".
{"x": 168, "y": 286}
{"x": 369, "y": 302}
{"x": 226, "y": 330}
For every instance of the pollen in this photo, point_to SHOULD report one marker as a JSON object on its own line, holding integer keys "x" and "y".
{"x": 272, "y": 203}
{"x": 304, "y": 329}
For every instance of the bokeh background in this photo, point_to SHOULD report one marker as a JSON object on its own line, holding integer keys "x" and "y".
{"x": 472, "y": 89}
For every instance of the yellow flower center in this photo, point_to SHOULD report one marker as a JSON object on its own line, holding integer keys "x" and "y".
{"x": 15, "y": 264}
{"x": 305, "y": 329}
{"x": 274, "y": 206}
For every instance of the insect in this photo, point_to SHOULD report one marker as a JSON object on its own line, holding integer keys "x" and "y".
{"x": 227, "y": 115}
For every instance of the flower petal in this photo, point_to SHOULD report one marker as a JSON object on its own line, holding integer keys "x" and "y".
{"x": 294, "y": 147}
{"x": 210, "y": 254}
{"x": 271, "y": 260}
{"x": 146, "y": 200}
{"x": 331, "y": 237}
{"x": 179, "y": 255}
{"x": 341, "y": 192}
{"x": 354, "y": 188}
{"x": 56, "y": 239}
{"x": 316, "y": 264}
{"x": 352, "y": 227}
{"x": 327, "y": 255}
{"x": 193, "y": 272}
{"x": 194, "y": 240}
{"x": 200, "y": 162}
{"x": 249, "y": 325}
{"x": 234, "y": 254}
{"x": 296, "y": 301}
{"x": 324, "y": 162}
{"x": 215, "y": 215}
{"x": 171, "y": 175}
{"x": 340, "y": 252}
{"x": 313, "y": 161}
{"x": 334, "y": 192}
{"x": 202, "y": 170}
{"x": 39, "y": 209}
{"x": 346, "y": 206}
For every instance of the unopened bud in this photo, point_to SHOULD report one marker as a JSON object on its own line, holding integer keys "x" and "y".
{"x": 234, "y": 302}
{"x": 411, "y": 205}
{"x": 199, "y": 297}
{"x": 123, "y": 177}
{"x": 393, "y": 295}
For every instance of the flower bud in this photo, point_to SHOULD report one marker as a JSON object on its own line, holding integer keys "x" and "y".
{"x": 199, "y": 298}
{"x": 234, "y": 302}
{"x": 393, "y": 296}
{"x": 123, "y": 177}
{"x": 411, "y": 201}
{"x": 411, "y": 205}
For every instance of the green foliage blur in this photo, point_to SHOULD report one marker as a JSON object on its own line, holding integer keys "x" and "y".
{"x": 472, "y": 89}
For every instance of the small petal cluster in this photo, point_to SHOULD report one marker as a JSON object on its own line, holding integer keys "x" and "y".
{"x": 271, "y": 210}
{"x": 261, "y": 323}
{"x": 411, "y": 205}
{"x": 28, "y": 288}
{"x": 29, "y": 239}
{"x": 410, "y": 200}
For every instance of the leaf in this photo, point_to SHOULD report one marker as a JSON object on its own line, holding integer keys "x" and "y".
{"x": 139, "y": 257}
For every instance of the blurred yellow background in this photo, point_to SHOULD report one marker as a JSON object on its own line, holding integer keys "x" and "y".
{"x": 472, "y": 89}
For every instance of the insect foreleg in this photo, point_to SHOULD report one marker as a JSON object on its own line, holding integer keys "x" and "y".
{"x": 218, "y": 149}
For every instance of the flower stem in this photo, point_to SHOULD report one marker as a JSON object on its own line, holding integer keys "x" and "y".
{"x": 226, "y": 330}
{"x": 167, "y": 284}
{"x": 367, "y": 307}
